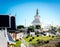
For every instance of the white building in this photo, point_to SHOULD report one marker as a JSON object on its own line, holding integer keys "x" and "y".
{"x": 36, "y": 20}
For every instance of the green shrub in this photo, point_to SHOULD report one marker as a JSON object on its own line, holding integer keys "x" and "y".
{"x": 37, "y": 35}
{"x": 37, "y": 39}
{"x": 49, "y": 36}
{"x": 52, "y": 36}
{"x": 46, "y": 41}
{"x": 30, "y": 39}
{"x": 27, "y": 37}
{"x": 40, "y": 42}
{"x": 17, "y": 39}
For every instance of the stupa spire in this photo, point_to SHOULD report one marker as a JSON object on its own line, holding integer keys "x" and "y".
{"x": 36, "y": 20}
{"x": 37, "y": 11}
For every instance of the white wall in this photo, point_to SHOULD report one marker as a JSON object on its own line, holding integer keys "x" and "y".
{"x": 32, "y": 33}
{"x": 57, "y": 33}
{"x": 19, "y": 35}
{"x": 3, "y": 39}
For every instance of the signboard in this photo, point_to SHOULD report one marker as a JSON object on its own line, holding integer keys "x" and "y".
{"x": 4, "y": 21}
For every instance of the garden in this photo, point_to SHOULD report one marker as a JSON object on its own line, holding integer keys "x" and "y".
{"x": 37, "y": 40}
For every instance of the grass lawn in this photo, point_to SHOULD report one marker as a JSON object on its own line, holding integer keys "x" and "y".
{"x": 42, "y": 38}
{"x": 18, "y": 43}
{"x": 45, "y": 38}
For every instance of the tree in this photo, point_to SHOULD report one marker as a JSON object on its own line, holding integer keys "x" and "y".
{"x": 58, "y": 29}
{"x": 20, "y": 27}
{"x": 53, "y": 28}
{"x": 31, "y": 28}
{"x": 38, "y": 26}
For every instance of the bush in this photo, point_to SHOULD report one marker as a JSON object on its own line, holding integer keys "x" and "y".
{"x": 37, "y": 35}
{"x": 30, "y": 40}
{"x": 17, "y": 39}
{"x": 52, "y": 36}
{"x": 37, "y": 39}
{"x": 46, "y": 42}
{"x": 44, "y": 34}
{"x": 49, "y": 36}
{"x": 32, "y": 37}
{"x": 38, "y": 42}
{"x": 26, "y": 36}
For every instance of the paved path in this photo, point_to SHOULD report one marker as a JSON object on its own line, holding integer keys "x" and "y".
{"x": 52, "y": 43}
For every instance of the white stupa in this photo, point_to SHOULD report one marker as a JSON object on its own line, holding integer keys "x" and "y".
{"x": 36, "y": 20}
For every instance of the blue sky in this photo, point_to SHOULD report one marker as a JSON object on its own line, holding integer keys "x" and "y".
{"x": 25, "y": 10}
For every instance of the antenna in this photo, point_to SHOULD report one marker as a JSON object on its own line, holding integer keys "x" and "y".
{"x": 25, "y": 21}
